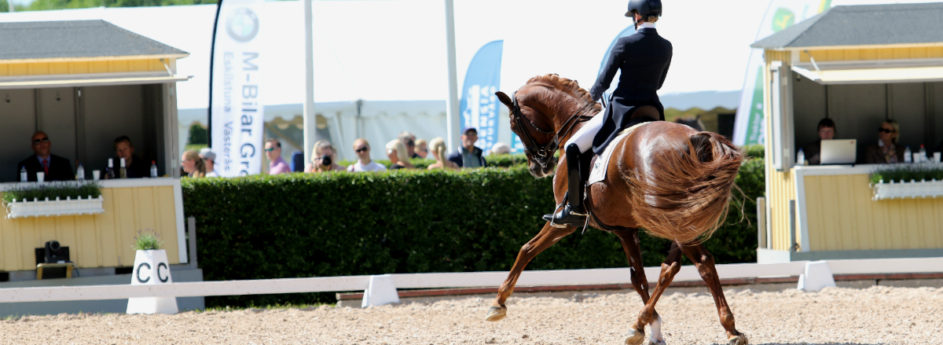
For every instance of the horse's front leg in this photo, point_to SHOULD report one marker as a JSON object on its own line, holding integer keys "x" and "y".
{"x": 704, "y": 262}
{"x": 630, "y": 245}
{"x": 544, "y": 239}
{"x": 669, "y": 268}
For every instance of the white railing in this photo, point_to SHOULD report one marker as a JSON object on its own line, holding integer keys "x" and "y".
{"x": 599, "y": 276}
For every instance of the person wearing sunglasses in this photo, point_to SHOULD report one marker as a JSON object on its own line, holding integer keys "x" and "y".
{"x": 886, "y": 151}
{"x": 362, "y": 149}
{"x": 277, "y": 164}
{"x": 54, "y": 168}
{"x": 324, "y": 158}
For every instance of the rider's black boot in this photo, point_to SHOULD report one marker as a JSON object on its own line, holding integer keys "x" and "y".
{"x": 573, "y": 213}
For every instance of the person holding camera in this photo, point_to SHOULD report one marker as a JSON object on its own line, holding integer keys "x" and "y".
{"x": 324, "y": 158}
{"x": 362, "y": 148}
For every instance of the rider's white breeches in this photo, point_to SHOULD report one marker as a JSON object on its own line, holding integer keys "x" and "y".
{"x": 583, "y": 138}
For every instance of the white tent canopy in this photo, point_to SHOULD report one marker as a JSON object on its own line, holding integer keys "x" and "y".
{"x": 391, "y": 54}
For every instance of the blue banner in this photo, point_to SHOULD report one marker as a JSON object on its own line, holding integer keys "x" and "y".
{"x": 479, "y": 105}
{"x": 602, "y": 64}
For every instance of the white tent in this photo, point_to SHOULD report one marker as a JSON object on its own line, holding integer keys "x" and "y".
{"x": 391, "y": 54}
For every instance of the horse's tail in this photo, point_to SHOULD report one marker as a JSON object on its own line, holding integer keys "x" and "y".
{"x": 687, "y": 199}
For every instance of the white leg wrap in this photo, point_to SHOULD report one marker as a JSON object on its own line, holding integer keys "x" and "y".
{"x": 656, "y": 336}
{"x": 583, "y": 138}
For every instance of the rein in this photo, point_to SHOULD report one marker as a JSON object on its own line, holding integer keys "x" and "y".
{"x": 543, "y": 153}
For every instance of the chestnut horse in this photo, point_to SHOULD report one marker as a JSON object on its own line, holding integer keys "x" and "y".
{"x": 666, "y": 178}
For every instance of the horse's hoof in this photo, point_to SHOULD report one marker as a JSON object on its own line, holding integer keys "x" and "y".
{"x": 738, "y": 340}
{"x": 653, "y": 341}
{"x": 496, "y": 313}
{"x": 635, "y": 337}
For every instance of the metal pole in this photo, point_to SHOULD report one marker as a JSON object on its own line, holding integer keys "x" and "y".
{"x": 191, "y": 240}
{"x": 451, "y": 103}
{"x": 310, "y": 122}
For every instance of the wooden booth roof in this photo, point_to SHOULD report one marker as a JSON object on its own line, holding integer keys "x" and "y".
{"x": 77, "y": 40}
{"x": 863, "y": 25}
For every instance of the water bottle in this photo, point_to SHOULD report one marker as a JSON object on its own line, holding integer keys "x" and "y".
{"x": 907, "y": 155}
{"x": 80, "y": 173}
{"x": 23, "y": 175}
{"x": 123, "y": 171}
{"x": 800, "y": 158}
{"x": 922, "y": 156}
{"x": 110, "y": 171}
{"x": 153, "y": 169}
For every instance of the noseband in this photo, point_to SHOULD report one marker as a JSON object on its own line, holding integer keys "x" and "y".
{"x": 542, "y": 154}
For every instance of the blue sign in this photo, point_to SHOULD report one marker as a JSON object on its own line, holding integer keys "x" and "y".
{"x": 479, "y": 105}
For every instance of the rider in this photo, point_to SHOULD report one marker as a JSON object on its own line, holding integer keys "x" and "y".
{"x": 643, "y": 58}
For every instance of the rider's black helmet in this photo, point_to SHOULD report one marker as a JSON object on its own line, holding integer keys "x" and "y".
{"x": 646, "y": 8}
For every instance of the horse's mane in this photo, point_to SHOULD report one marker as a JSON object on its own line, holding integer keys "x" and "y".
{"x": 570, "y": 87}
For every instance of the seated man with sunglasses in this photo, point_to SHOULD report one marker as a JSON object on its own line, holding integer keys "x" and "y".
{"x": 362, "y": 148}
{"x": 54, "y": 168}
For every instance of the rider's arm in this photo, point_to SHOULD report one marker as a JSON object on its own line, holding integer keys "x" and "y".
{"x": 609, "y": 72}
{"x": 667, "y": 66}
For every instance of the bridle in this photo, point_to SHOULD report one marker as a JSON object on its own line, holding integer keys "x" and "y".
{"x": 542, "y": 154}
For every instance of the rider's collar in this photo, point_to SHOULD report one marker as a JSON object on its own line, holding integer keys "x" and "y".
{"x": 645, "y": 25}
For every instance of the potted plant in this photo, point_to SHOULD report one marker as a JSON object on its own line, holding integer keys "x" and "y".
{"x": 908, "y": 181}
{"x": 53, "y": 199}
{"x": 150, "y": 267}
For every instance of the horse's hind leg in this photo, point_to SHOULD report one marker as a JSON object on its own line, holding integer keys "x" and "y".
{"x": 544, "y": 239}
{"x": 705, "y": 266}
{"x": 669, "y": 269}
{"x": 630, "y": 245}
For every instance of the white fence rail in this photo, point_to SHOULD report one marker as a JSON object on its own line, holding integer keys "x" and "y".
{"x": 599, "y": 276}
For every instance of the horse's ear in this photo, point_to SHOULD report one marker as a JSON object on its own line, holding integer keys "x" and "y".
{"x": 503, "y": 97}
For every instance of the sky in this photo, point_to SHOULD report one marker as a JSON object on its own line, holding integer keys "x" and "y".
{"x": 395, "y": 49}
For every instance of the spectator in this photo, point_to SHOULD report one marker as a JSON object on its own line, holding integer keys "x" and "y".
{"x": 54, "y": 168}
{"x": 396, "y": 152}
{"x": 362, "y": 148}
{"x": 812, "y": 151}
{"x": 422, "y": 150}
{"x": 324, "y": 158}
{"x": 209, "y": 160}
{"x": 500, "y": 149}
{"x": 134, "y": 167}
{"x": 277, "y": 165}
{"x": 438, "y": 153}
{"x": 409, "y": 140}
{"x": 469, "y": 155}
{"x": 192, "y": 164}
{"x": 886, "y": 150}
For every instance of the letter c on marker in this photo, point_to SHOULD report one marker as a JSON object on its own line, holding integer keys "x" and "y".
{"x": 163, "y": 279}
{"x": 140, "y": 268}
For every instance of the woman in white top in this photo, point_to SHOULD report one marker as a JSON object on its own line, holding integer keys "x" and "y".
{"x": 362, "y": 149}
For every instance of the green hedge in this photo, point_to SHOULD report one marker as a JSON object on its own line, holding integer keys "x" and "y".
{"x": 302, "y": 225}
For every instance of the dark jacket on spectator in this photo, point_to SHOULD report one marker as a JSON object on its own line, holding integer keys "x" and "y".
{"x": 59, "y": 168}
{"x": 456, "y": 157}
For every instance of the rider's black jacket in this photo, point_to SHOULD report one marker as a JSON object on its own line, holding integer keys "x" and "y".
{"x": 643, "y": 59}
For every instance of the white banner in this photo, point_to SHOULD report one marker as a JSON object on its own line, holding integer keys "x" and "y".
{"x": 748, "y": 128}
{"x": 236, "y": 112}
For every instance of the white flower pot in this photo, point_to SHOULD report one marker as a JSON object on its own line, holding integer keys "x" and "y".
{"x": 907, "y": 190}
{"x": 151, "y": 268}
{"x": 52, "y": 208}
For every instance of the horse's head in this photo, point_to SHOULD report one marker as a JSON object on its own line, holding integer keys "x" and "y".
{"x": 543, "y": 113}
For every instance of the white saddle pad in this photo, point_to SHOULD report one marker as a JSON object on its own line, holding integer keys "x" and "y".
{"x": 598, "y": 172}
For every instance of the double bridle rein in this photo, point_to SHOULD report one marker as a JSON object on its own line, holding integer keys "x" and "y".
{"x": 542, "y": 154}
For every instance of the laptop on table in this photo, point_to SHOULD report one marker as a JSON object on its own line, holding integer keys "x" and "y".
{"x": 839, "y": 151}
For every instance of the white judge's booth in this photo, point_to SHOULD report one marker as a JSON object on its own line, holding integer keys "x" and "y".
{"x": 84, "y": 83}
{"x": 849, "y": 65}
